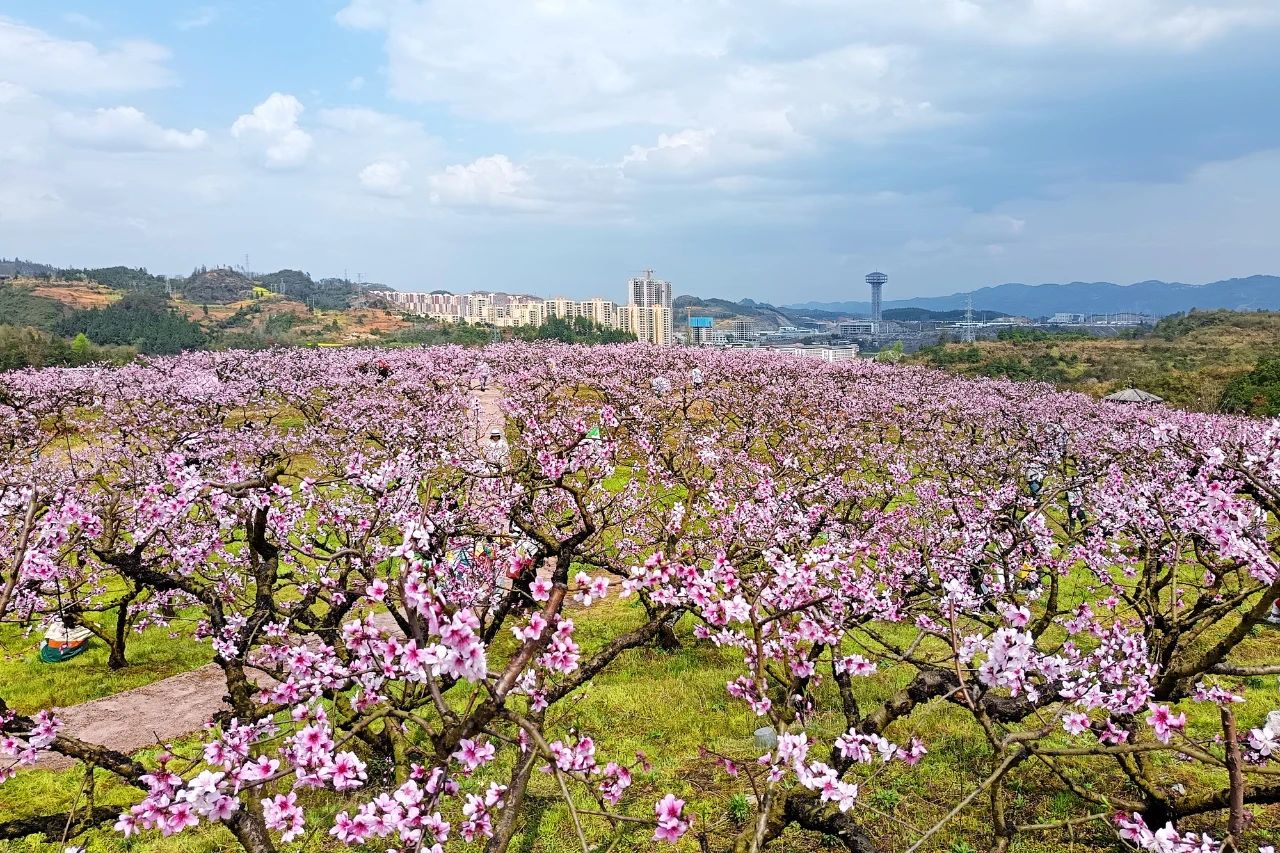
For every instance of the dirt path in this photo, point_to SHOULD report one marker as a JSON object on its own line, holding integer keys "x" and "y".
{"x": 154, "y": 713}
{"x": 488, "y": 414}
{"x": 143, "y": 716}
{"x": 172, "y": 707}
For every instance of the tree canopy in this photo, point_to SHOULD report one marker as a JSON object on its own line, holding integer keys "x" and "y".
{"x": 397, "y": 611}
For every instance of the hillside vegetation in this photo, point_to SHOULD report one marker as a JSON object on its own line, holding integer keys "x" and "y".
{"x": 52, "y": 321}
{"x": 1189, "y": 359}
{"x": 121, "y": 312}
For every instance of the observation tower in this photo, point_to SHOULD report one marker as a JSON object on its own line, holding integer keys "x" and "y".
{"x": 877, "y": 281}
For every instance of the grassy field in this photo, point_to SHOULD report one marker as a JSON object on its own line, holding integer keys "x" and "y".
{"x": 28, "y": 685}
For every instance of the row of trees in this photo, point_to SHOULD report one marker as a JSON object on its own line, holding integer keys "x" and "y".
{"x": 117, "y": 278}
{"x": 575, "y": 330}
{"x": 26, "y": 347}
{"x": 1078, "y": 583}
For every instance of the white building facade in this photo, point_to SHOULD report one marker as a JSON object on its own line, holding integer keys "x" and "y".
{"x": 647, "y": 313}
{"x": 822, "y": 352}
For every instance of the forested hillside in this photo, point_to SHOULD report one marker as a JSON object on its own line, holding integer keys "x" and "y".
{"x": 49, "y": 320}
{"x": 142, "y": 319}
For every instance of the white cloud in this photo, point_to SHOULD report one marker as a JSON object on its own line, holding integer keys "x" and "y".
{"x": 557, "y": 62}
{"x": 26, "y": 202}
{"x": 272, "y": 133}
{"x": 385, "y": 178}
{"x": 200, "y": 18}
{"x": 24, "y": 117}
{"x": 810, "y": 67}
{"x": 700, "y": 153}
{"x": 212, "y": 188}
{"x": 493, "y": 182}
{"x": 12, "y": 93}
{"x": 1157, "y": 23}
{"x": 125, "y": 129}
{"x": 382, "y": 149}
{"x": 43, "y": 63}
{"x": 371, "y": 125}
{"x": 81, "y": 20}
{"x": 1098, "y": 24}
{"x": 677, "y": 152}
{"x": 355, "y": 84}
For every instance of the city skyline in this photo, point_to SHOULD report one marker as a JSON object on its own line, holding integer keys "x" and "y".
{"x": 647, "y": 313}
{"x": 749, "y": 151}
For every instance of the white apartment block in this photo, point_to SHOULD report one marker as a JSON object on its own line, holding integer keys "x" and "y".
{"x": 647, "y": 314}
{"x": 650, "y": 315}
{"x": 650, "y": 324}
{"x": 443, "y": 306}
{"x": 821, "y": 352}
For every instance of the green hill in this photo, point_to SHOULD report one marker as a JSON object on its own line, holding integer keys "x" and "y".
{"x": 216, "y": 286}
{"x": 327, "y": 293}
{"x": 20, "y": 306}
{"x": 1188, "y": 359}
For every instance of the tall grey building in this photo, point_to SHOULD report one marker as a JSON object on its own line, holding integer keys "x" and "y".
{"x": 649, "y": 309}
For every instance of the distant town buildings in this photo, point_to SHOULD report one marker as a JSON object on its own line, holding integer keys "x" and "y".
{"x": 785, "y": 333}
{"x": 856, "y": 328}
{"x": 646, "y": 314}
{"x": 1120, "y": 318}
{"x": 702, "y": 332}
{"x": 822, "y": 352}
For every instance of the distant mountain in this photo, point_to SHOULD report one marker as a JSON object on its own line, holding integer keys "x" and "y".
{"x": 1148, "y": 297}
{"x": 918, "y": 314}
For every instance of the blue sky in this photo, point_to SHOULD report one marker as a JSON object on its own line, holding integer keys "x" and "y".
{"x": 772, "y": 150}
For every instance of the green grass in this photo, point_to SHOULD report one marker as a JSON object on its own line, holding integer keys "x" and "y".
{"x": 668, "y": 706}
{"x": 28, "y": 685}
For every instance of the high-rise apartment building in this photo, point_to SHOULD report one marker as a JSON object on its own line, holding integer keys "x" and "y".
{"x": 745, "y": 330}
{"x": 649, "y": 312}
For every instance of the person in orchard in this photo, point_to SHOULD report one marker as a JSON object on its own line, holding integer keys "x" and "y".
{"x": 1075, "y": 508}
{"x": 1035, "y": 478}
{"x": 496, "y": 449}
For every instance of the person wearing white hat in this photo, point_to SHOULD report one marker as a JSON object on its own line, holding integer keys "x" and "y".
{"x": 496, "y": 449}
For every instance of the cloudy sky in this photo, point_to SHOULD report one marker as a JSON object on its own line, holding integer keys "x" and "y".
{"x": 742, "y": 148}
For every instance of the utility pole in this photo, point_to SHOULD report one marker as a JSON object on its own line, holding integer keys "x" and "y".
{"x": 968, "y": 319}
